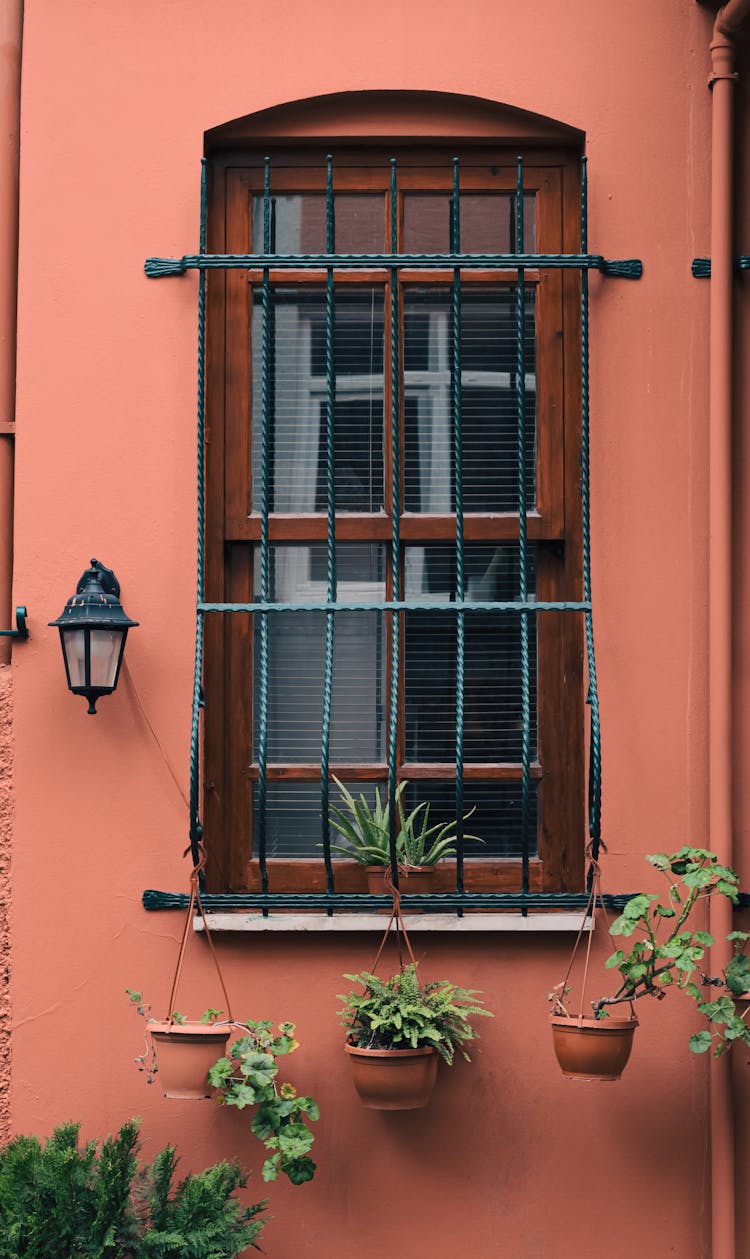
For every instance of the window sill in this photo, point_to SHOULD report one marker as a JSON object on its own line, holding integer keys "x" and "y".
{"x": 533, "y": 923}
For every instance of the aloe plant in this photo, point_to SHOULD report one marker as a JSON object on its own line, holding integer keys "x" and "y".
{"x": 367, "y": 831}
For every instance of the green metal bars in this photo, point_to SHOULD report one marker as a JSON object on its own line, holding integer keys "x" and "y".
{"x": 522, "y": 607}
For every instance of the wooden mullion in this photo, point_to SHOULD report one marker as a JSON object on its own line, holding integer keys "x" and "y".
{"x": 415, "y": 528}
{"x": 505, "y": 771}
{"x": 309, "y": 771}
{"x": 480, "y": 875}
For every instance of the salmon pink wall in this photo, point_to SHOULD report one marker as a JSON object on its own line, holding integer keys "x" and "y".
{"x": 510, "y": 1159}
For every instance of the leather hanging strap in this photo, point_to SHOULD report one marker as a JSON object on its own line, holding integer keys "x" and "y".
{"x": 397, "y": 922}
{"x": 595, "y": 896}
{"x": 195, "y": 901}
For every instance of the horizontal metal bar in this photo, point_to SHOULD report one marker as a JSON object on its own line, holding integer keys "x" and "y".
{"x": 438, "y": 902}
{"x": 701, "y": 267}
{"x": 21, "y": 630}
{"x": 401, "y": 605}
{"x": 627, "y": 268}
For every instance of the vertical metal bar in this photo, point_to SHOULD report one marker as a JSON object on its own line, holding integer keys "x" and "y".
{"x": 196, "y": 830}
{"x": 459, "y": 508}
{"x": 331, "y": 535}
{"x": 592, "y": 698}
{"x": 264, "y": 547}
{"x": 522, "y": 556}
{"x": 395, "y": 532}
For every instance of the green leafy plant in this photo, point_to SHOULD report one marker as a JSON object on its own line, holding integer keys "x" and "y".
{"x": 399, "y": 1014}
{"x": 668, "y": 952}
{"x": 248, "y": 1077}
{"x": 367, "y": 831}
{"x": 62, "y": 1198}
{"x": 737, "y": 973}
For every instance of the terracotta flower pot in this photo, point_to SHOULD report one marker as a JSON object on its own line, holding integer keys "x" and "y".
{"x": 418, "y": 879}
{"x": 393, "y": 1079}
{"x": 184, "y": 1054}
{"x": 592, "y": 1049}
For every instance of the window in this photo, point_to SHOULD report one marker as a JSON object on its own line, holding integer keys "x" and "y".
{"x": 287, "y": 344}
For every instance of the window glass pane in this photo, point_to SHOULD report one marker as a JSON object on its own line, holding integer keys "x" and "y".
{"x": 492, "y": 657}
{"x": 488, "y": 400}
{"x": 298, "y": 223}
{"x": 297, "y": 400}
{"x": 293, "y": 826}
{"x": 296, "y": 656}
{"x": 487, "y": 222}
{"x": 496, "y": 818}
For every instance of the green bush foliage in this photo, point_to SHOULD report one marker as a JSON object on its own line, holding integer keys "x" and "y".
{"x": 64, "y": 1200}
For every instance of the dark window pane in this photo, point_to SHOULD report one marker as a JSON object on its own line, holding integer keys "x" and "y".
{"x": 296, "y": 656}
{"x": 493, "y": 715}
{"x": 298, "y": 223}
{"x": 488, "y": 401}
{"x": 293, "y": 813}
{"x": 487, "y": 223}
{"x": 297, "y": 401}
{"x": 496, "y": 818}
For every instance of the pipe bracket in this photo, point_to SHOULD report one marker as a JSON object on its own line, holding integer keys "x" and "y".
{"x": 21, "y": 630}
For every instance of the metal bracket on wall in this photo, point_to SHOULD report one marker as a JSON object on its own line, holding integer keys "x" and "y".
{"x": 701, "y": 267}
{"x": 21, "y": 630}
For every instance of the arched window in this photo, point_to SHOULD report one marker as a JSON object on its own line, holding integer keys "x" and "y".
{"x": 364, "y": 442}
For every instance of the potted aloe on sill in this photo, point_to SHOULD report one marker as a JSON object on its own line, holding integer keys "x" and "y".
{"x": 667, "y": 953}
{"x": 419, "y": 845}
{"x": 396, "y": 1030}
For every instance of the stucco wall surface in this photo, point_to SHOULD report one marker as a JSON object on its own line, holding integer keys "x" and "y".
{"x": 510, "y": 1159}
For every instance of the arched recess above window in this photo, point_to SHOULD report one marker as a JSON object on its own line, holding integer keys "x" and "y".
{"x": 375, "y": 117}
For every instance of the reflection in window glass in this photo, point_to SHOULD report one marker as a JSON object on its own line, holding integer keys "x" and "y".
{"x": 293, "y": 825}
{"x": 488, "y": 400}
{"x": 296, "y": 656}
{"x": 487, "y": 223}
{"x": 492, "y": 656}
{"x": 298, "y": 400}
{"x": 298, "y": 223}
{"x": 497, "y": 816}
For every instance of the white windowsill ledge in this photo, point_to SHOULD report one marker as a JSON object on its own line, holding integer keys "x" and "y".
{"x": 321, "y": 923}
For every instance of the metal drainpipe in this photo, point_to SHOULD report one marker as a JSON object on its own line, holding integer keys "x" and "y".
{"x": 11, "y": 28}
{"x": 722, "y": 83}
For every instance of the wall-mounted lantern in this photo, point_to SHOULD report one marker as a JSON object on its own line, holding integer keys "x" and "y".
{"x": 93, "y": 628}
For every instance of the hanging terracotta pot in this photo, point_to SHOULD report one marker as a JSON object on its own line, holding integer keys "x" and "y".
{"x": 393, "y": 1079}
{"x": 184, "y": 1053}
{"x": 592, "y": 1049}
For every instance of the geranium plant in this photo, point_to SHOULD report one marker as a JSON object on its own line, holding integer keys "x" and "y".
{"x": 247, "y": 1076}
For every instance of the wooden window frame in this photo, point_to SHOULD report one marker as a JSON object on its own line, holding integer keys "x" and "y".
{"x": 555, "y": 524}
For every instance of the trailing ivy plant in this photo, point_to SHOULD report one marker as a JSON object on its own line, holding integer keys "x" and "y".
{"x": 248, "y": 1077}
{"x": 62, "y": 1198}
{"x": 399, "y": 1014}
{"x": 668, "y": 951}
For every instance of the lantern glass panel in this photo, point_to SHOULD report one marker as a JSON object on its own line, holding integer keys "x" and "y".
{"x": 74, "y": 644}
{"x": 105, "y": 653}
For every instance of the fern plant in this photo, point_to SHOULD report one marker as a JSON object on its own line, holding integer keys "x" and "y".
{"x": 398, "y": 1013}
{"x": 63, "y": 1199}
